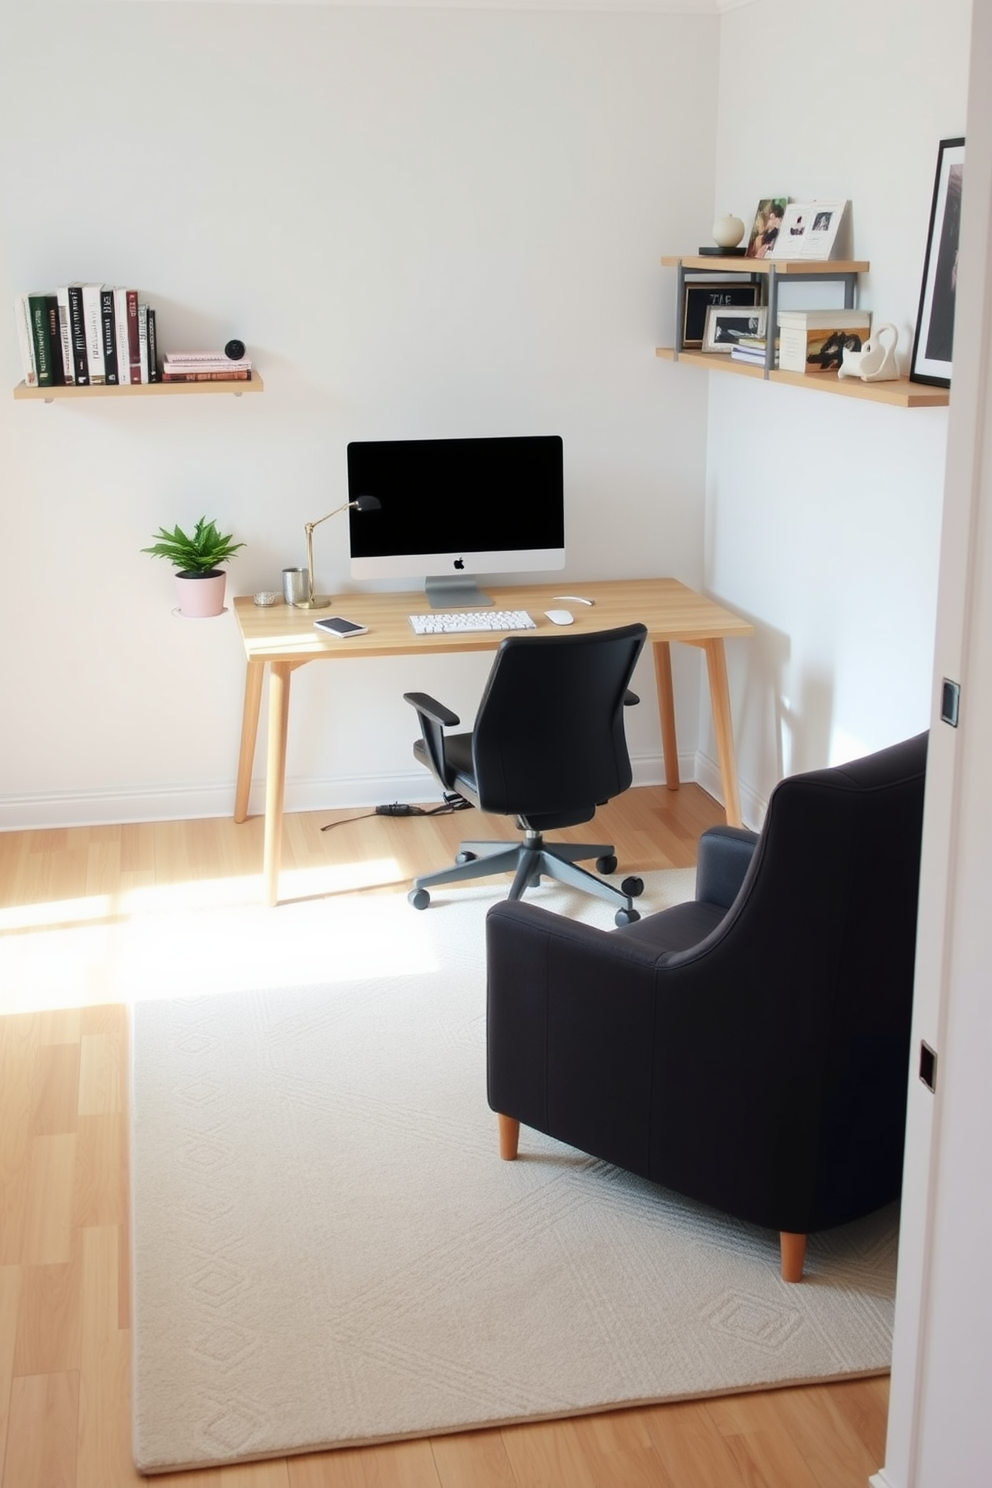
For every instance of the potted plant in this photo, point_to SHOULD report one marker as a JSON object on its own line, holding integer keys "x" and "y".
{"x": 196, "y": 558}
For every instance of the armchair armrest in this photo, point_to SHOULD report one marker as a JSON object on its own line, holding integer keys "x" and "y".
{"x": 434, "y": 719}
{"x": 725, "y": 855}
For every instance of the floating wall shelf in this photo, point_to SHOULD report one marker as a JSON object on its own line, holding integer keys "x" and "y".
{"x": 142, "y": 390}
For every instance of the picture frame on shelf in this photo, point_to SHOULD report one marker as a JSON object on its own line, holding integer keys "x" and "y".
{"x": 933, "y": 341}
{"x": 700, "y": 295}
{"x": 766, "y": 226}
{"x": 727, "y": 324}
{"x": 810, "y": 230}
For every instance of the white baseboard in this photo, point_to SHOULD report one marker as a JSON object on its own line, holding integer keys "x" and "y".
{"x": 187, "y": 803}
{"x": 881, "y": 1479}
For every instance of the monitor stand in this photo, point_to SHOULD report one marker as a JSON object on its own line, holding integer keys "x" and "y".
{"x": 455, "y": 592}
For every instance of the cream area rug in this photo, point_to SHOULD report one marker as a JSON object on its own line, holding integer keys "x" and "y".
{"x": 328, "y": 1250}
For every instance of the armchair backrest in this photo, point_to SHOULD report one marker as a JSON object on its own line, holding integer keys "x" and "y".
{"x": 549, "y": 735}
{"x": 803, "y": 993}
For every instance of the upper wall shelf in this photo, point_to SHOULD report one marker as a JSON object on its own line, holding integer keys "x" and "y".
{"x": 900, "y": 393}
{"x": 793, "y": 268}
{"x": 141, "y": 389}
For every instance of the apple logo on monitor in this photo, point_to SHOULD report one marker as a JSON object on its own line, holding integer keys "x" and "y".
{"x": 459, "y": 562}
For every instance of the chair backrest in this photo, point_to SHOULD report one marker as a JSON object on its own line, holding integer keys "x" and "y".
{"x": 549, "y": 737}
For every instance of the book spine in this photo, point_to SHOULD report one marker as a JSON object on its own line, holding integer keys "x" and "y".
{"x": 93, "y": 322}
{"x": 55, "y": 339}
{"x": 41, "y": 337}
{"x": 168, "y": 376}
{"x": 25, "y": 340}
{"x": 65, "y": 336}
{"x": 120, "y": 337}
{"x": 77, "y": 330}
{"x": 179, "y": 364}
{"x": 143, "y": 340}
{"x": 134, "y": 349}
{"x": 153, "y": 373}
{"x": 109, "y": 335}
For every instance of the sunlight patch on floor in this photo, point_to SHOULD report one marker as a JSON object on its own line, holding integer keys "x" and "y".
{"x": 214, "y": 936}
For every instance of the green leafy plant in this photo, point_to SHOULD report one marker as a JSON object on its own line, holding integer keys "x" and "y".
{"x": 199, "y": 553}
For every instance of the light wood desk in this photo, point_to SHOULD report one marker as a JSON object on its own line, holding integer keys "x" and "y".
{"x": 283, "y": 638}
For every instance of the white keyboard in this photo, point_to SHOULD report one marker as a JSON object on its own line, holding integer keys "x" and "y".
{"x": 447, "y": 622}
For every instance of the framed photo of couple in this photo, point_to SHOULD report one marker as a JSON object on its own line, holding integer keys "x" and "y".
{"x": 810, "y": 230}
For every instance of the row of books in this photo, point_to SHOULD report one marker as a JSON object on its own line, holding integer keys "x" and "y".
{"x": 808, "y": 340}
{"x": 86, "y": 333}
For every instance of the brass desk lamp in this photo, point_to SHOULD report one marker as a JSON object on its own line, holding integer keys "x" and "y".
{"x": 322, "y": 601}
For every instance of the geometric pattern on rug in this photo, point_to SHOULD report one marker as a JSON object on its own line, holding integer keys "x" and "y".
{"x": 328, "y": 1251}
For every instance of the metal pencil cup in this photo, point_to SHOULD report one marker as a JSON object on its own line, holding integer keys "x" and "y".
{"x": 295, "y": 585}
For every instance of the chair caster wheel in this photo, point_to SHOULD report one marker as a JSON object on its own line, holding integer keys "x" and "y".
{"x": 465, "y": 857}
{"x": 419, "y": 898}
{"x": 632, "y": 886}
{"x": 606, "y": 864}
{"x": 625, "y": 917}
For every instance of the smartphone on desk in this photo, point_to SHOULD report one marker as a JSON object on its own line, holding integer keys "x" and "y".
{"x": 336, "y": 625}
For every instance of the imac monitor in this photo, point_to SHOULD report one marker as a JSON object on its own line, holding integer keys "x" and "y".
{"x": 452, "y": 508}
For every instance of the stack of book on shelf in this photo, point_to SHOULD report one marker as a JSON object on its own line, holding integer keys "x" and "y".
{"x": 815, "y": 340}
{"x": 752, "y": 349}
{"x": 82, "y": 334}
{"x": 205, "y": 366}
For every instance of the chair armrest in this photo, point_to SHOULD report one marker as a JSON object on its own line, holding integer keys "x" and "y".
{"x": 432, "y": 709}
{"x": 434, "y": 718}
{"x": 725, "y": 855}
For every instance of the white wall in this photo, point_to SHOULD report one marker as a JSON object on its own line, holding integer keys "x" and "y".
{"x": 823, "y": 515}
{"x": 422, "y": 223}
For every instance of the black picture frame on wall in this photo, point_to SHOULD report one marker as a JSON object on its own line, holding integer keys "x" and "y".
{"x": 700, "y": 294}
{"x": 933, "y": 342}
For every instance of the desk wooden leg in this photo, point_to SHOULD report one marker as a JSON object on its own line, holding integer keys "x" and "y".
{"x": 275, "y": 775}
{"x": 716, "y": 666}
{"x": 249, "y": 733}
{"x": 666, "y": 711}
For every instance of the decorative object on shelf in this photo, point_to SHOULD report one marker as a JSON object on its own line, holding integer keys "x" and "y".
{"x": 933, "y": 343}
{"x": 200, "y": 583}
{"x": 727, "y": 234}
{"x": 265, "y": 597}
{"x": 700, "y": 295}
{"x": 765, "y": 228}
{"x": 811, "y": 230}
{"x": 321, "y": 601}
{"x": 235, "y": 350}
{"x": 815, "y": 340}
{"x": 876, "y": 361}
{"x": 727, "y": 325}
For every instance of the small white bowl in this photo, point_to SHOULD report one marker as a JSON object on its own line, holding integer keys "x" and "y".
{"x": 267, "y": 597}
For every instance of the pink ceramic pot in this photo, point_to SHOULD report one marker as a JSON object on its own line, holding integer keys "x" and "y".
{"x": 201, "y": 595}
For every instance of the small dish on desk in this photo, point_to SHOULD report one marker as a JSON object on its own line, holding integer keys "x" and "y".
{"x": 267, "y": 597}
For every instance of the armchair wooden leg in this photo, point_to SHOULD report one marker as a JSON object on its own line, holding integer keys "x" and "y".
{"x": 509, "y": 1137}
{"x": 793, "y": 1254}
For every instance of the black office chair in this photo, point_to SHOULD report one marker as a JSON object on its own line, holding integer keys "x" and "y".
{"x": 749, "y": 1048}
{"x": 547, "y": 748}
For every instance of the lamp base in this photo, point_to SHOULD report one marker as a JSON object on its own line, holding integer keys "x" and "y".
{"x": 319, "y": 602}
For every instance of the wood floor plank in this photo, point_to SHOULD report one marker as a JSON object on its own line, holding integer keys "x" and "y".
{"x": 99, "y": 1195}
{"x": 51, "y": 1163}
{"x": 546, "y": 1454}
{"x": 10, "y": 1293}
{"x": 104, "y": 1437}
{"x": 41, "y": 1436}
{"x": 833, "y": 1449}
{"x": 100, "y": 1067}
{"x": 54, "y": 1089}
{"x": 48, "y": 1318}
{"x": 342, "y": 1469}
{"x": 476, "y": 1457}
{"x": 690, "y": 1447}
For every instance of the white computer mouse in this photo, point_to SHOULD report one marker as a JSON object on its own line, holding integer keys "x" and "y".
{"x": 559, "y": 617}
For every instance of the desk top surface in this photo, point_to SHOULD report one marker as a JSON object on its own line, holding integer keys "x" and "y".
{"x": 670, "y": 610}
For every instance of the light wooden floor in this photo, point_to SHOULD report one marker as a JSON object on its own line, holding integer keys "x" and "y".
{"x": 64, "y": 1312}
